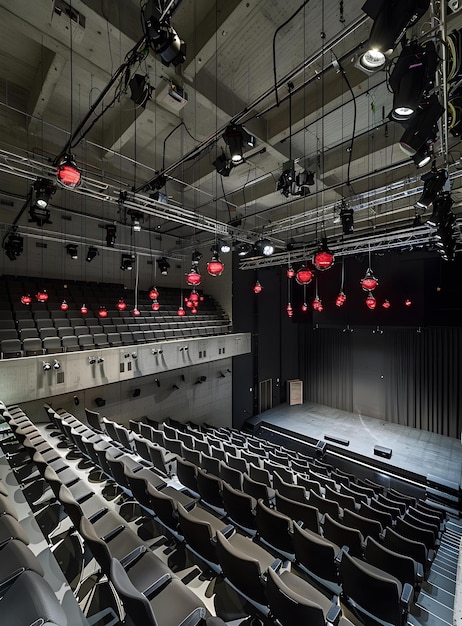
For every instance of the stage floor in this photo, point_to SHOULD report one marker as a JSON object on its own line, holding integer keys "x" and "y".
{"x": 413, "y": 450}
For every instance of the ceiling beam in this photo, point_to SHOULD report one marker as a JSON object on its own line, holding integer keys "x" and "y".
{"x": 47, "y": 77}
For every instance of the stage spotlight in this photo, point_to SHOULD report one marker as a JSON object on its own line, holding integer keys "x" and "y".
{"x": 39, "y": 215}
{"x": 391, "y": 20}
{"x": 71, "y": 250}
{"x": 421, "y": 129}
{"x": 222, "y": 165}
{"x": 137, "y": 219}
{"x": 140, "y": 89}
{"x": 434, "y": 182}
{"x": 46, "y": 366}
{"x": 165, "y": 42}
{"x": 441, "y": 209}
{"x": 264, "y": 247}
{"x": 196, "y": 256}
{"x": 423, "y": 155}
{"x": 67, "y": 172}
{"x": 92, "y": 252}
{"x": 111, "y": 234}
{"x": 127, "y": 262}
{"x": 346, "y": 217}
{"x": 163, "y": 265}
{"x": 244, "y": 249}
{"x": 236, "y": 137}
{"x": 223, "y": 246}
{"x": 56, "y": 365}
{"x": 413, "y": 76}
{"x": 43, "y": 190}
{"x": 14, "y": 247}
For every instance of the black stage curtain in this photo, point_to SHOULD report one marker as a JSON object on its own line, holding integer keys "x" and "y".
{"x": 418, "y": 377}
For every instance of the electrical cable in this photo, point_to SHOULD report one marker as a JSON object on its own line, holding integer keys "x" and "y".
{"x": 355, "y": 114}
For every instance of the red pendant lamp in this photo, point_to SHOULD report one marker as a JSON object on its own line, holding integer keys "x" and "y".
{"x": 194, "y": 297}
{"x": 121, "y": 305}
{"x": 304, "y": 307}
{"x": 371, "y": 302}
{"x": 153, "y": 294}
{"x": 26, "y": 299}
{"x": 386, "y": 304}
{"x": 194, "y": 278}
{"x": 189, "y": 304}
{"x": 102, "y": 312}
{"x": 257, "y": 288}
{"x": 369, "y": 282}
{"x": 317, "y": 304}
{"x": 136, "y": 312}
{"x": 67, "y": 172}
{"x": 64, "y": 306}
{"x": 194, "y": 310}
{"x": 155, "y": 306}
{"x": 289, "y": 310}
{"x": 290, "y": 273}
{"x": 304, "y": 276}
{"x": 181, "y": 312}
{"x": 215, "y": 267}
{"x": 341, "y": 298}
{"x": 408, "y": 302}
{"x": 42, "y": 295}
{"x": 323, "y": 258}
{"x": 84, "y": 309}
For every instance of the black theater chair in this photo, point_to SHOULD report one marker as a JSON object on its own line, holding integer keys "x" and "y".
{"x": 305, "y": 514}
{"x": 240, "y": 508}
{"x": 274, "y": 529}
{"x": 402, "y": 567}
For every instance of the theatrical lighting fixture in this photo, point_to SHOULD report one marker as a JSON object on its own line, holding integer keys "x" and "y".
{"x": 111, "y": 234}
{"x": 43, "y": 190}
{"x": 121, "y": 305}
{"x": 434, "y": 181}
{"x": 14, "y": 247}
{"x": 408, "y": 302}
{"x": 257, "y": 288}
{"x": 46, "y": 366}
{"x": 181, "y": 312}
{"x": 136, "y": 312}
{"x": 290, "y": 272}
{"x": 163, "y": 265}
{"x": 264, "y": 247}
{"x": 71, "y": 250}
{"x": 42, "y": 295}
{"x": 369, "y": 282}
{"x": 323, "y": 258}
{"x": 223, "y": 246}
{"x": 84, "y": 309}
{"x": 391, "y": 20}
{"x": 215, "y": 267}
{"x": 346, "y": 217}
{"x": 236, "y": 137}
{"x": 153, "y": 294}
{"x": 126, "y": 262}
{"x": 102, "y": 312}
{"x": 155, "y": 306}
{"x": 64, "y": 306}
{"x": 441, "y": 209}
{"x": 371, "y": 302}
{"x": 140, "y": 89}
{"x": 165, "y": 42}
{"x": 67, "y": 172}
{"x": 222, "y": 165}
{"x": 244, "y": 249}
{"x": 423, "y": 154}
{"x": 56, "y": 365}
{"x": 26, "y": 299}
{"x": 378, "y": 330}
{"x": 92, "y": 252}
{"x": 421, "y": 130}
{"x": 294, "y": 184}
{"x": 304, "y": 276}
{"x": 341, "y": 299}
{"x": 91, "y": 360}
{"x": 193, "y": 278}
{"x": 304, "y": 307}
{"x": 317, "y": 304}
{"x": 289, "y": 310}
{"x": 137, "y": 219}
{"x": 196, "y": 256}
{"x": 39, "y": 215}
{"x": 413, "y": 76}
{"x": 386, "y": 304}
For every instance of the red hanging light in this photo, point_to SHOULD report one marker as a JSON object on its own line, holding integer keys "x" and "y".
{"x": 386, "y": 304}
{"x": 102, "y": 312}
{"x": 136, "y": 312}
{"x": 317, "y": 304}
{"x": 194, "y": 297}
{"x": 257, "y": 288}
{"x": 371, "y": 302}
{"x": 189, "y": 304}
{"x": 84, "y": 309}
{"x": 289, "y": 310}
{"x": 290, "y": 273}
{"x": 67, "y": 173}
{"x": 201, "y": 298}
{"x": 121, "y": 305}
{"x": 323, "y": 258}
{"x": 304, "y": 307}
{"x": 408, "y": 302}
{"x": 369, "y": 282}
{"x": 64, "y": 306}
{"x": 341, "y": 298}
{"x": 155, "y": 306}
{"x": 42, "y": 295}
{"x": 194, "y": 310}
{"x": 304, "y": 276}
{"x": 194, "y": 278}
{"x": 181, "y": 312}
{"x": 26, "y": 299}
{"x": 153, "y": 294}
{"x": 215, "y": 267}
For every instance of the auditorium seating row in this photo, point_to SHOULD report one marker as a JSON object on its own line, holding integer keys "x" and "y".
{"x": 149, "y": 589}
{"x": 316, "y": 554}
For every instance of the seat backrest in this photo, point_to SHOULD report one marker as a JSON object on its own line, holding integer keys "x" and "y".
{"x": 230, "y": 475}
{"x": 316, "y": 554}
{"x": 293, "y": 492}
{"x": 289, "y": 607}
{"x": 367, "y": 527}
{"x": 309, "y": 484}
{"x": 346, "y": 502}
{"x": 187, "y": 474}
{"x": 343, "y": 536}
{"x": 136, "y": 604}
{"x": 239, "y": 507}
{"x": 163, "y": 506}
{"x": 274, "y": 527}
{"x": 93, "y": 419}
{"x": 401, "y": 567}
{"x": 198, "y": 534}
{"x": 96, "y": 545}
{"x": 325, "y": 506}
{"x": 299, "y": 512}
{"x": 209, "y": 488}
{"x": 377, "y": 594}
{"x": 260, "y": 474}
{"x": 381, "y": 516}
{"x": 236, "y": 462}
{"x": 210, "y": 465}
{"x": 257, "y": 490}
{"x": 405, "y": 528}
{"x": 398, "y": 543}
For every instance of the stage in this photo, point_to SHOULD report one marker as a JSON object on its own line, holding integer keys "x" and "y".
{"x": 413, "y": 450}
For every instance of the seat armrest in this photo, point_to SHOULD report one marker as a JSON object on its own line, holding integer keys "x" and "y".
{"x": 228, "y": 531}
{"x": 9, "y": 580}
{"x": 334, "y": 614}
{"x": 133, "y": 556}
{"x": 419, "y": 572}
{"x": 275, "y": 565}
{"x": 338, "y": 558}
{"x": 113, "y": 533}
{"x": 157, "y": 585}
{"x": 406, "y": 595}
{"x": 94, "y": 517}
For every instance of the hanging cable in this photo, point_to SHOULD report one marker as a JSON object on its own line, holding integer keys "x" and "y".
{"x": 355, "y": 113}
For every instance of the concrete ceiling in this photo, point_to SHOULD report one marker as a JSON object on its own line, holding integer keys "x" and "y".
{"x": 52, "y": 71}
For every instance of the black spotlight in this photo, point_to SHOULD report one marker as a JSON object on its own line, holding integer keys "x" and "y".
{"x": 413, "y": 76}
{"x": 346, "y": 217}
{"x": 434, "y": 182}
{"x": 43, "y": 189}
{"x": 264, "y": 247}
{"x": 441, "y": 210}
{"x": 39, "y": 215}
{"x": 223, "y": 246}
{"x": 163, "y": 265}
{"x": 92, "y": 252}
{"x": 201, "y": 380}
{"x": 244, "y": 249}
{"x": 111, "y": 234}
{"x": 222, "y": 165}
{"x": 14, "y": 247}
{"x": 165, "y": 42}
{"x": 421, "y": 129}
{"x": 71, "y": 250}
{"x": 126, "y": 262}
{"x": 196, "y": 256}
{"x": 140, "y": 90}
{"x": 236, "y": 137}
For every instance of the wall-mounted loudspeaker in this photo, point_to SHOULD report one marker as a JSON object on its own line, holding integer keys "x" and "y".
{"x": 100, "y": 402}
{"x": 136, "y": 393}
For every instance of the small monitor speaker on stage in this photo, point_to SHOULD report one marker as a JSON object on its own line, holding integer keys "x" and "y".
{"x": 100, "y": 402}
{"x": 382, "y": 451}
{"x": 320, "y": 449}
